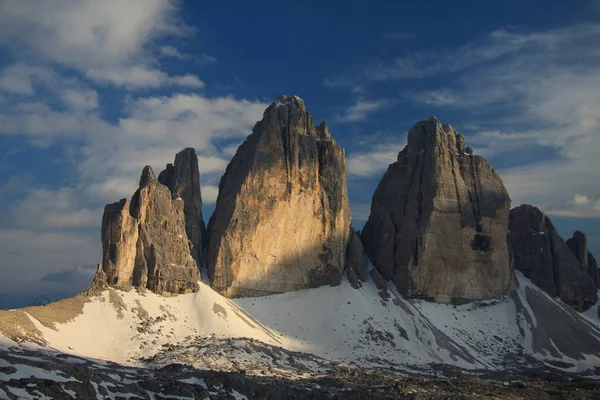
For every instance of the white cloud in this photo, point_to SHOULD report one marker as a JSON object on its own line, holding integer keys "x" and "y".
{"x": 579, "y": 199}
{"x": 140, "y": 77}
{"x": 361, "y": 109}
{"x": 107, "y": 41}
{"x": 371, "y": 163}
{"x": 106, "y": 164}
{"x": 209, "y": 194}
{"x": 498, "y": 45}
{"x": 190, "y": 81}
{"x": 173, "y": 52}
{"x": 26, "y": 256}
{"x": 533, "y": 91}
{"x": 52, "y": 209}
{"x": 377, "y": 151}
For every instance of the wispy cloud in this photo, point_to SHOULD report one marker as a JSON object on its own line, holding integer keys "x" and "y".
{"x": 64, "y": 55}
{"x": 361, "y": 109}
{"x": 110, "y": 41}
{"x": 514, "y": 90}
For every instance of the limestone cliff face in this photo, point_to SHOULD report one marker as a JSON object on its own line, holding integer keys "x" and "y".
{"x": 183, "y": 180}
{"x": 282, "y": 219}
{"x": 144, "y": 242}
{"x": 544, "y": 257}
{"x": 439, "y": 220}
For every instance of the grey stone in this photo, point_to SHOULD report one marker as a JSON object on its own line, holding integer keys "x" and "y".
{"x": 439, "y": 219}
{"x": 183, "y": 180}
{"x": 356, "y": 258}
{"x": 144, "y": 243}
{"x": 544, "y": 257}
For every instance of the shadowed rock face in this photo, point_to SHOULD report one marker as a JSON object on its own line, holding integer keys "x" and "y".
{"x": 282, "y": 218}
{"x": 544, "y": 257}
{"x": 439, "y": 219}
{"x": 144, "y": 243}
{"x": 183, "y": 180}
{"x": 356, "y": 259}
{"x": 578, "y": 245}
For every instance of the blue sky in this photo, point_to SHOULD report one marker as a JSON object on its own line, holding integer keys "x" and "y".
{"x": 90, "y": 92}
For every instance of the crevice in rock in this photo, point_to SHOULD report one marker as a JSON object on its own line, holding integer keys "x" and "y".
{"x": 475, "y": 204}
{"x": 410, "y": 183}
{"x": 460, "y": 211}
{"x": 419, "y": 212}
{"x": 553, "y": 255}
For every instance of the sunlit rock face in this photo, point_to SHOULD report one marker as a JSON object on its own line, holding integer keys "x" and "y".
{"x": 282, "y": 219}
{"x": 145, "y": 242}
{"x": 439, "y": 220}
{"x": 560, "y": 269}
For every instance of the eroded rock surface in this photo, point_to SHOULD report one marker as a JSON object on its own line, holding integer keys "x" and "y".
{"x": 544, "y": 257}
{"x": 144, "y": 242}
{"x": 356, "y": 259}
{"x": 578, "y": 245}
{"x": 282, "y": 218}
{"x": 439, "y": 219}
{"x": 183, "y": 180}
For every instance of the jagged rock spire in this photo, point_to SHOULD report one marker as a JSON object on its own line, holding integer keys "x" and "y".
{"x": 543, "y": 256}
{"x": 145, "y": 242}
{"x": 183, "y": 180}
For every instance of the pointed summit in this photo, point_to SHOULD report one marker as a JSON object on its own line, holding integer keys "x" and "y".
{"x": 145, "y": 243}
{"x": 282, "y": 219}
{"x": 183, "y": 180}
{"x": 439, "y": 219}
{"x": 147, "y": 176}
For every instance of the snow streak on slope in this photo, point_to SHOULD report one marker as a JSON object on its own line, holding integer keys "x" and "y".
{"x": 305, "y": 330}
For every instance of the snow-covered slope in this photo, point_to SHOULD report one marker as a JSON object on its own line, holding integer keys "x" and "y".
{"x": 340, "y": 324}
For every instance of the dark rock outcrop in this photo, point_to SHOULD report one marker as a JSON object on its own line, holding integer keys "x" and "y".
{"x": 282, "y": 218}
{"x": 544, "y": 257}
{"x": 356, "y": 259}
{"x": 439, "y": 219}
{"x": 145, "y": 243}
{"x": 578, "y": 245}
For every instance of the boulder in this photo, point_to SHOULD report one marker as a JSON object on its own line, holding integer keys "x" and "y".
{"x": 144, "y": 243}
{"x": 544, "y": 257}
{"x": 439, "y": 219}
{"x": 282, "y": 219}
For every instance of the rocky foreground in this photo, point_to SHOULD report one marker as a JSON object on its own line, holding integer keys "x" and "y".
{"x": 42, "y": 374}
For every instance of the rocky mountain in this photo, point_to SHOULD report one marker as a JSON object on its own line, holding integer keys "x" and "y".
{"x": 439, "y": 220}
{"x": 155, "y": 241}
{"x": 560, "y": 269}
{"x": 282, "y": 219}
{"x": 578, "y": 245}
